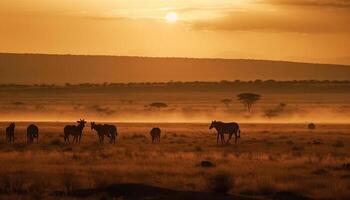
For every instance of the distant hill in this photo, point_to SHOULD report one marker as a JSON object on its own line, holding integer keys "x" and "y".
{"x": 58, "y": 69}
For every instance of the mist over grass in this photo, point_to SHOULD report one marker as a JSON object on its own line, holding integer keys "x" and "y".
{"x": 294, "y": 113}
{"x": 281, "y": 102}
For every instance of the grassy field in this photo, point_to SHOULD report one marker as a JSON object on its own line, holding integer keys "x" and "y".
{"x": 269, "y": 158}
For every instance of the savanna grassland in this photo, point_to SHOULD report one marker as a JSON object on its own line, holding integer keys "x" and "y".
{"x": 303, "y": 101}
{"x": 276, "y": 155}
{"x": 269, "y": 158}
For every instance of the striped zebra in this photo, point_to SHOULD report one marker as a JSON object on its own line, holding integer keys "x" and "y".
{"x": 155, "y": 134}
{"x": 32, "y": 132}
{"x": 10, "y": 133}
{"x": 75, "y": 131}
{"x": 105, "y": 130}
{"x": 226, "y": 128}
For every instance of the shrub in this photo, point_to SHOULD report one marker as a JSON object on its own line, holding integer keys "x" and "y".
{"x": 275, "y": 111}
{"x": 226, "y": 102}
{"x": 311, "y": 126}
{"x": 207, "y": 164}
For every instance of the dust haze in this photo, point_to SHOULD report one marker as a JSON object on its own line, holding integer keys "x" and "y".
{"x": 110, "y": 104}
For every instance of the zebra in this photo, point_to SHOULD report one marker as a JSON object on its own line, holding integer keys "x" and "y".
{"x": 10, "y": 133}
{"x": 32, "y": 132}
{"x": 112, "y": 132}
{"x": 105, "y": 129}
{"x": 226, "y": 128}
{"x": 155, "y": 134}
{"x": 76, "y": 131}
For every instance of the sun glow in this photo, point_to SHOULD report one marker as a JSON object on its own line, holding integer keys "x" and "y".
{"x": 171, "y": 17}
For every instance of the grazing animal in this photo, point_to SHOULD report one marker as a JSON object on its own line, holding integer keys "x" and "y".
{"x": 75, "y": 131}
{"x": 226, "y": 128}
{"x": 112, "y": 130}
{"x": 32, "y": 132}
{"x": 105, "y": 130}
{"x": 10, "y": 133}
{"x": 155, "y": 134}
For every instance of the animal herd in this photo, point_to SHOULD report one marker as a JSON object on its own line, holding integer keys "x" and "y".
{"x": 110, "y": 131}
{"x": 32, "y": 133}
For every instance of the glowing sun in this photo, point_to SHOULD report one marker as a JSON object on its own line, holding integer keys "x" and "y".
{"x": 171, "y": 17}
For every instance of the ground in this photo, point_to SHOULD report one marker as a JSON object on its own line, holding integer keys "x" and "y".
{"x": 269, "y": 159}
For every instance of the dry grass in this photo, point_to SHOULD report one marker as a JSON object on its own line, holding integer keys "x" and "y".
{"x": 268, "y": 159}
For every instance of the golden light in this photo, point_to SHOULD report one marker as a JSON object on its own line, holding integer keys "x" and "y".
{"x": 171, "y": 17}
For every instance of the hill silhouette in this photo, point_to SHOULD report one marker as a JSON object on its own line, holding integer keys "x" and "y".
{"x": 59, "y": 69}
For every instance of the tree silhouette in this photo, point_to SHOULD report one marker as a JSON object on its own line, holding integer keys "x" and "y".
{"x": 248, "y": 99}
{"x": 274, "y": 112}
{"x": 311, "y": 126}
{"x": 158, "y": 105}
{"x": 227, "y": 102}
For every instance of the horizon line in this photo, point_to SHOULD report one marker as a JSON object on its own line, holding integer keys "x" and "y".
{"x": 174, "y": 57}
{"x": 152, "y": 83}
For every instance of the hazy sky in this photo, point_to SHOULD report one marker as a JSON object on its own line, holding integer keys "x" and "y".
{"x": 306, "y": 30}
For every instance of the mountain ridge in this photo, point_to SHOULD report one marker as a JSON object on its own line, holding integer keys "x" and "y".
{"x": 58, "y": 68}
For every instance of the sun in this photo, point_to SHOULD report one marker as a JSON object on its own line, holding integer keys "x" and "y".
{"x": 171, "y": 17}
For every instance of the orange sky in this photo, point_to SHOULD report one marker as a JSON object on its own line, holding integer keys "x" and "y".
{"x": 301, "y": 30}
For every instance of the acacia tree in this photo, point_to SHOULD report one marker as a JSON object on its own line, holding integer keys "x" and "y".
{"x": 158, "y": 105}
{"x": 248, "y": 99}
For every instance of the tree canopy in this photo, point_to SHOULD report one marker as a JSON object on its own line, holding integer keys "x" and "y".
{"x": 248, "y": 99}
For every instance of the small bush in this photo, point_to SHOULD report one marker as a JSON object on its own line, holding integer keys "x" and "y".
{"x": 311, "y": 126}
{"x": 158, "y": 105}
{"x": 207, "y": 164}
{"x": 221, "y": 182}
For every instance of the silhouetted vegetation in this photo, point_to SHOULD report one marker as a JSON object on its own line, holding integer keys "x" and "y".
{"x": 311, "y": 126}
{"x": 312, "y": 86}
{"x": 102, "y": 110}
{"x": 248, "y": 99}
{"x": 18, "y": 103}
{"x": 275, "y": 111}
{"x": 226, "y": 102}
{"x": 158, "y": 105}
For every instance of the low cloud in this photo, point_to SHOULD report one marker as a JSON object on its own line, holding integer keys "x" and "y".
{"x": 323, "y": 3}
{"x": 287, "y": 20}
